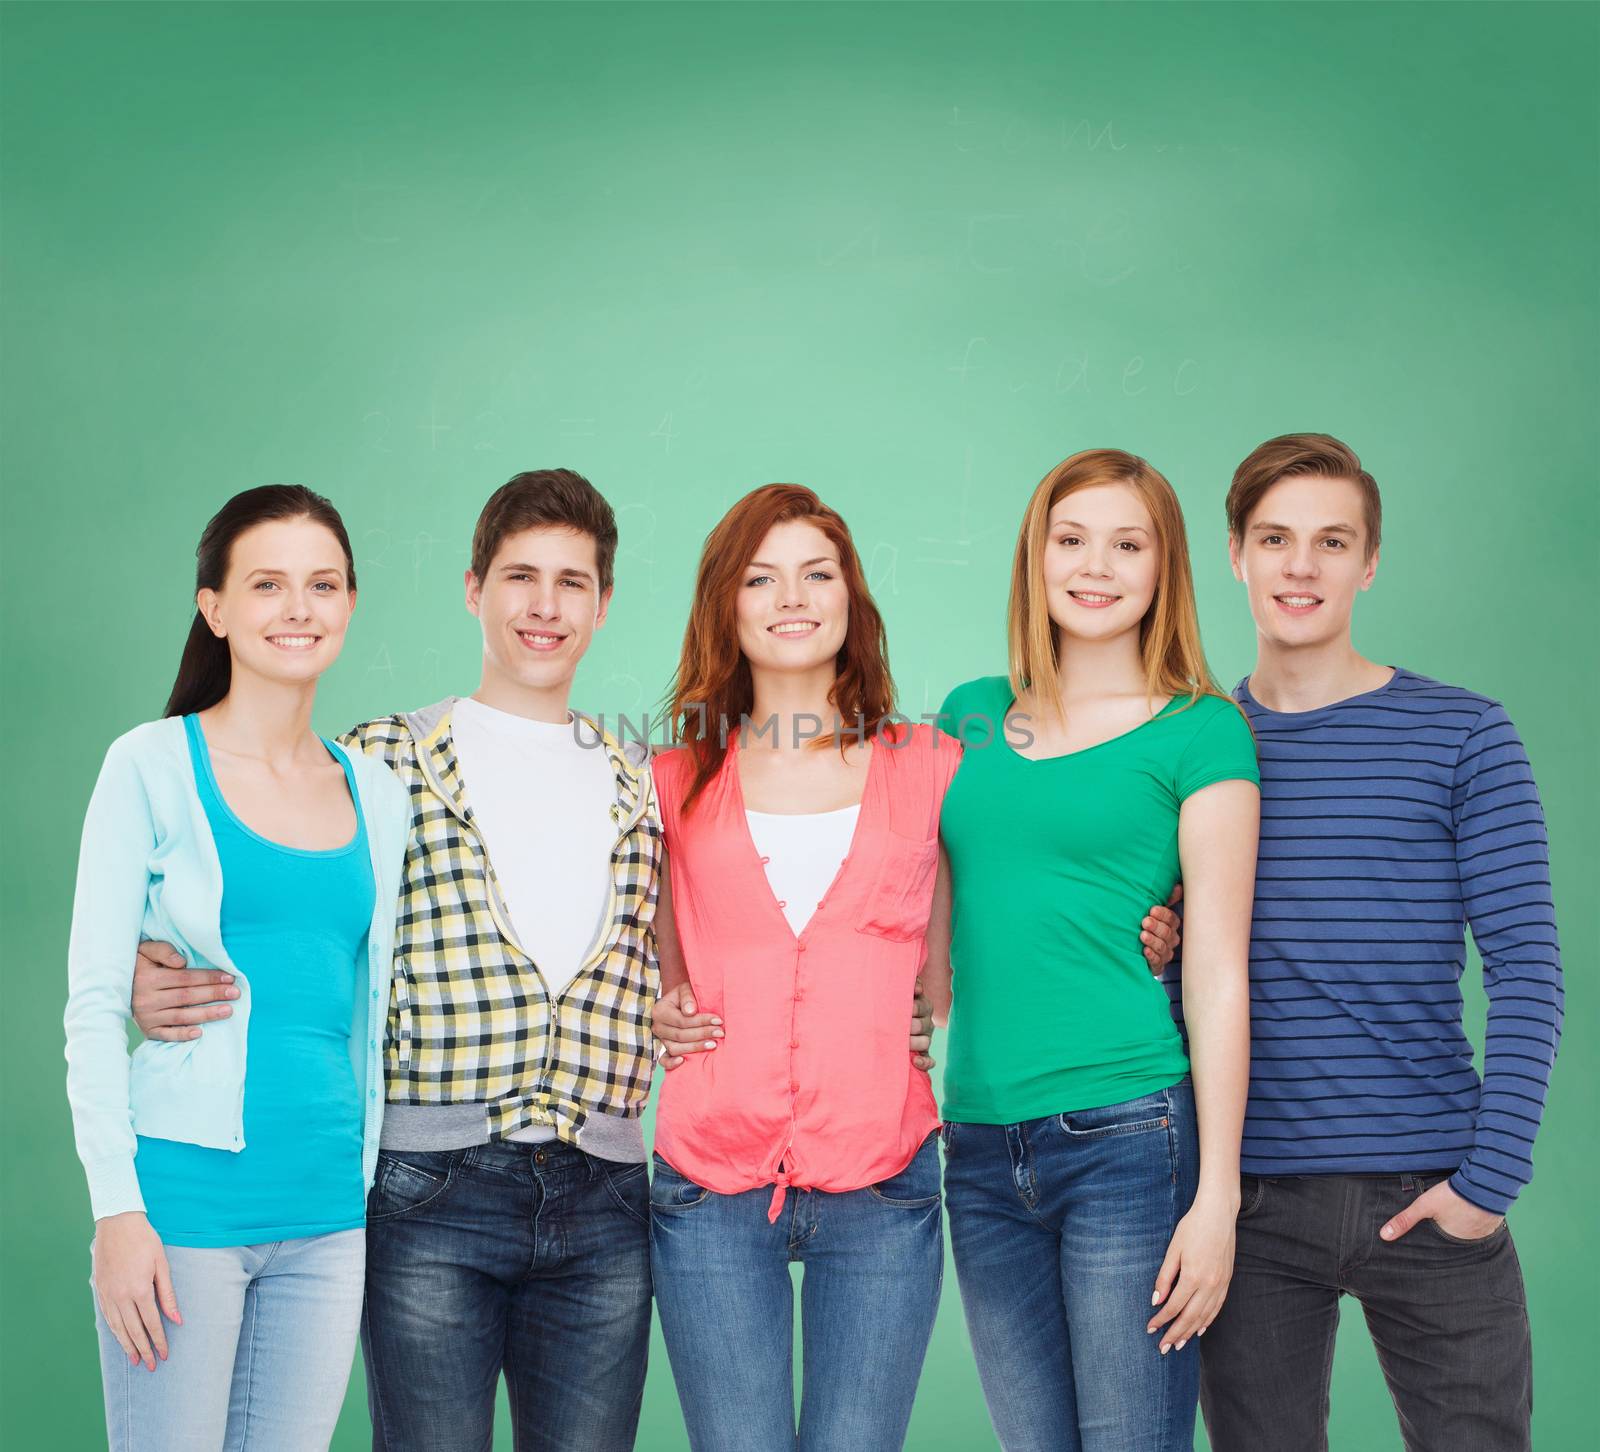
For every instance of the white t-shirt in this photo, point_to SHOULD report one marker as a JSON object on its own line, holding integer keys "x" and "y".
{"x": 543, "y": 804}
{"x": 802, "y": 855}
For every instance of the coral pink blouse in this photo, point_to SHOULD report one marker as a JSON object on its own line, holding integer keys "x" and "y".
{"x": 813, "y": 1085}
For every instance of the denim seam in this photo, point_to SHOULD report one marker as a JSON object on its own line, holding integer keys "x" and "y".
{"x": 375, "y": 1402}
{"x": 253, "y": 1311}
{"x": 1106, "y": 1131}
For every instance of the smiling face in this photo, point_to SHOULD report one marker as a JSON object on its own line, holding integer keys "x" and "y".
{"x": 539, "y": 604}
{"x": 1100, "y": 562}
{"x": 793, "y": 605}
{"x": 1303, "y": 559}
{"x": 285, "y": 601}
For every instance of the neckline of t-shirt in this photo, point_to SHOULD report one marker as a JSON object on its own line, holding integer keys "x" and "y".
{"x": 1359, "y": 698}
{"x": 522, "y": 729}
{"x": 801, "y": 816}
{"x": 200, "y": 751}
{"x": 1172, "y": 704}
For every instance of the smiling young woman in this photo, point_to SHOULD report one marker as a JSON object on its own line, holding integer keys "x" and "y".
{"x": 232, "y": 831}
{"x": 800, "y": 826}
{"x": 1087, "y": 1178}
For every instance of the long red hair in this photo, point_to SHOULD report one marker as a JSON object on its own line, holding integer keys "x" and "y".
{"x": 712, "y": 690}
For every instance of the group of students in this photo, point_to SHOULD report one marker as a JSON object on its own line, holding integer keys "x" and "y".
{"x": 403, "y": 994}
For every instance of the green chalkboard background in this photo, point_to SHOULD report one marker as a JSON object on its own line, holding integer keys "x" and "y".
{"x": 910, "y": 255}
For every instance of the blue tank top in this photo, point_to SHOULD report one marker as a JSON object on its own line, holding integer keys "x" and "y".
{"x": 295, "y": 924}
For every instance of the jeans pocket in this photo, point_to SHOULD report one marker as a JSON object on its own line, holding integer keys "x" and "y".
{"x": 1252, "y": 1190}
{"x": 405, "y": 1183}
{"x": 916, "y": 1186}
{"x": 671, "y": 1191}
{"x": 1133, "y": 1116}
{"x": 629, "y": 1189}
{"x": 1435, "y": 1228}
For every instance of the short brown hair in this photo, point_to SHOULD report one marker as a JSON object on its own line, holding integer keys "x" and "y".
{"x": 546, "y": 499}
{"x": 1295, "y": 455}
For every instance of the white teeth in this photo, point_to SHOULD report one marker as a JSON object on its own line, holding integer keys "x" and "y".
{"x": 539, "y": 639}
{"x": 298, "y": 641}
{"x": 1092, "y": 597}
{"x": 794, "y": 628}
{"x": 1298, "y": 600}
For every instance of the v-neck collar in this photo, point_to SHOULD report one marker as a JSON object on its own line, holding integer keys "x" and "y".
{"x": 741, "y": 824}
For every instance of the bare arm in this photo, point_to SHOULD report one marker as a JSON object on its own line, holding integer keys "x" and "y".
{"x": 1217, "y": 833}
{"x": 678, "y": 1028}
{"x": 935, "y": 982}
{"x": 668, "y": 949}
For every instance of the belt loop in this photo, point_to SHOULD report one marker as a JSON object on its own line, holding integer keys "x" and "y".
{"x": 1408, "y": 1183}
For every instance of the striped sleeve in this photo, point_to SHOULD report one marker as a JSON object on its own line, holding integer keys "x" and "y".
{"x": 1503, "y": 860}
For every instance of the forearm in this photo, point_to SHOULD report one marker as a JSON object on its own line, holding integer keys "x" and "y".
{"x": 1217, "y": 831}
{"x": 1216, "y": 1008}
{"x": 936, "y": 975}
{"x": 674, "y": 971}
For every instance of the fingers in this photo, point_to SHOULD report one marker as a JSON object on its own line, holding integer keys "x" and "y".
{"x": 133, "y": 1325}
{"x": 1164, "y": 1279}
{"x": 1198, "y": 1314}
{"x": 150, "y": 1317}
{"x": 165, "y": 1295}
{"x": 921, "y": 1043}
{"x": 923, "y": 1062}
{"x": 162, "y": 955}
{"x": 685, "y": 1039}
{"x": 1401, "y": 1223}
{"x": 1182, "y": 1294}
{"x": 1177, "y": 896}
{"x": 113, "y": 1318}
{"x": 186, "y": 1017}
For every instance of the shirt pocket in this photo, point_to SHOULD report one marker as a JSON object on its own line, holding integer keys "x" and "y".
{"x": 897, "y": 904}
{"x": 400, "y": 1025}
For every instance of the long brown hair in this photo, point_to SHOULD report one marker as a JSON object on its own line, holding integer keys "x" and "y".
{"x": 712, "y": 690}
{"x": 1169, "y": 634}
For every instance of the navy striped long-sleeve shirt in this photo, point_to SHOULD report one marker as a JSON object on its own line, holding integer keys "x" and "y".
{"x": 1390, "y": 822}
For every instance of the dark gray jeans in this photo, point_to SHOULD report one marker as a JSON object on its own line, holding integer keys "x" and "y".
{"x": 1448, "y": 1318}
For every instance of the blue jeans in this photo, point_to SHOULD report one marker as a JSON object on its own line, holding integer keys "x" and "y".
{"x": 873, "y": 1261}
{"x": 1059, "y": 1227}
{"x": 262, "y": 1360}
{"x": 532, "y": 1259}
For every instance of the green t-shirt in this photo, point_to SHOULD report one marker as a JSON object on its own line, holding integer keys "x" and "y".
{"x": 1053, "y": 864}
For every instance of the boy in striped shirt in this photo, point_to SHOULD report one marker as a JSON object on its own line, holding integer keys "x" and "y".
{"x": 1395, "y": 809}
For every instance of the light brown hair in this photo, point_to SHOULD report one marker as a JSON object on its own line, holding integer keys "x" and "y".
{"x": 546, "y": 499}
{"x": 712, "y": 689}
{"x": 1169, "y": 634}
{"x": 1294, "y": 456}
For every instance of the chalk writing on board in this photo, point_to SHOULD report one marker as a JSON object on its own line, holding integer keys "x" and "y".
{"x": 983, "y": 241}
{"x": 433, "y": 428}
{"x": 962, "y": 369}
{"x": 884, "y": 577}
{"x": 1080, "y": 134}
{"x": 663, "y": 431}
{"x": 382, "y": 664}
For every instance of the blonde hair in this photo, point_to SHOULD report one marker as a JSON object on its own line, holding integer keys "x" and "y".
{"x": 1169, "y": 634}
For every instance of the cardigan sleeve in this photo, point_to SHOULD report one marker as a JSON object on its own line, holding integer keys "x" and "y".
{"x": 107, "y": 915}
